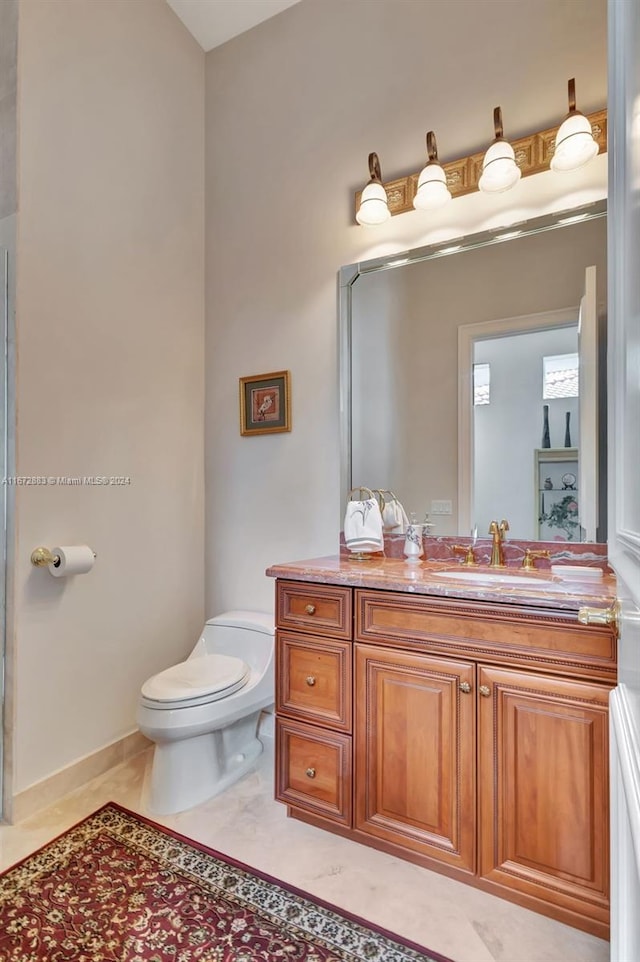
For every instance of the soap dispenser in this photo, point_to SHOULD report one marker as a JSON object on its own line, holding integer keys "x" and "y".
{"x": 413, "y": 547}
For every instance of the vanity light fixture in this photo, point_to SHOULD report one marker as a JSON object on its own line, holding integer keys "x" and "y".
{"x": 432, "y": 189}
{"x": 492, "y": 170}
{"x": 499, "y": 169}
{"x": 575, "y": 145}
{"x": 374, "y": 206}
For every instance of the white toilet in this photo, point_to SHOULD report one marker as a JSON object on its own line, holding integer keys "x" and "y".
{"x": 203, "y": 713}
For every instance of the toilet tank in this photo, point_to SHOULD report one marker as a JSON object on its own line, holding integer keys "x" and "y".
{"x": 245, "y": 634}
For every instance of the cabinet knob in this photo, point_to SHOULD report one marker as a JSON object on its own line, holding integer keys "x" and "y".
{"x": 601, "y": 616}
{"x": 465, "y": 687}
{"x": 310, "y": 609}
{"x": 484, "y": 690}
{"x": 311, "y": 681}
{"x": 311, "y": 773}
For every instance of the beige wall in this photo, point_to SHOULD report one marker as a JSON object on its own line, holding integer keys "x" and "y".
{"x": 293, "y": 109}
{"x": 8, "y": 90}
{"x": 110, "y": 374}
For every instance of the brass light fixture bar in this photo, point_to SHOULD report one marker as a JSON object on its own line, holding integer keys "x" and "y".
{"x": 533, "y": 155}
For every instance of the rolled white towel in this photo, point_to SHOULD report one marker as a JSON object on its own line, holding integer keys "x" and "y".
{"x": 394, "y": 517}
{"x": 363, "y": 526}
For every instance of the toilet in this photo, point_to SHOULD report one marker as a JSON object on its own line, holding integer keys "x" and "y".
{"x": 203, "y": 713}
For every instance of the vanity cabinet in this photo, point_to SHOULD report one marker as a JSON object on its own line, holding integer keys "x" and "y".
{"x": 468, "y": 736}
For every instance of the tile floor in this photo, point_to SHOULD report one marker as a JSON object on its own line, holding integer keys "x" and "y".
{"x": 447, "y": 916}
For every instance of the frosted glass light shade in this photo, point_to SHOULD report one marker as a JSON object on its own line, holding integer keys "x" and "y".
{"x": 374, "y": 208}
{"x": 575, "y": 145}
{"x": 499, "y": 169}
{"x": 432, "y": 189}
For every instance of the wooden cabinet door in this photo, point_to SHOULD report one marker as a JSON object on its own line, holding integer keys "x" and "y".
{"x": 415, "y": 753}
{"x": 543, "y": 788}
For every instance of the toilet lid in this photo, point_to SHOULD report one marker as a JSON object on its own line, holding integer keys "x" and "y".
{"x": 197, "y": 680}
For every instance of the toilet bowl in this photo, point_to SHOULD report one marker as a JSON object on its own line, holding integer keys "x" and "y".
{"x": 203, "y": 713}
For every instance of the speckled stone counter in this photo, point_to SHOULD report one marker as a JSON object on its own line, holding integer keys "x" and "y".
{"x": 448, "y": 579}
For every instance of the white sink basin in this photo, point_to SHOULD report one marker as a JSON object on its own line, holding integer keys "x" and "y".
{"x": 489, "y": 578}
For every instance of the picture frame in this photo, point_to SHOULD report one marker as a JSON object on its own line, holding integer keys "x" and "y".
{"x": 265, "y": 403}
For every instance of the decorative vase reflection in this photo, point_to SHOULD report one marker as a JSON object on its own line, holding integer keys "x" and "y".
{"x": 567, "y": 430}
{"x": 546, "y": 438}
{"x": 413, "y": 547}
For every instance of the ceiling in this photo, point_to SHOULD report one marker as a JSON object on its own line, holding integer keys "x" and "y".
{"x": 213, "y": 22}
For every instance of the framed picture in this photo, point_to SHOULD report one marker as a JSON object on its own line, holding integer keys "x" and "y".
{"x": 265, "y": 403}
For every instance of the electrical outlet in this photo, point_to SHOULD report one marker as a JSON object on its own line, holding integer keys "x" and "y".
{"x": 441, "y": 507}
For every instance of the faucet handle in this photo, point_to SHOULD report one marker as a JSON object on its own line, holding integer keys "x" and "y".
{"x": 467, "y": 551}
{"x": 528, "y": 562}
{"x": 504, "y": 526}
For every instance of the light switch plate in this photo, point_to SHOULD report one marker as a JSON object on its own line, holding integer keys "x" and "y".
{"x": 441, "y": 507}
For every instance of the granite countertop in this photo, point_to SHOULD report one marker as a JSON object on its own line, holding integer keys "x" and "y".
{"x": 539, "y": 588}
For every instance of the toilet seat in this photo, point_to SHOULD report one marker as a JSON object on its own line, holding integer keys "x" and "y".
{"x": 196, "y": 681}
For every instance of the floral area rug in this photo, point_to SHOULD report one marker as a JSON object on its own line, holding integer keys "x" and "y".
{"x": 119, "y": 888}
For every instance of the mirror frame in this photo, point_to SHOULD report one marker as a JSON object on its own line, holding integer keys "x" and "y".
{"x": 349, "y": 274}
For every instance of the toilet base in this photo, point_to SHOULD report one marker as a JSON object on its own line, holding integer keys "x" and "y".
{"x": 190, "y": 771}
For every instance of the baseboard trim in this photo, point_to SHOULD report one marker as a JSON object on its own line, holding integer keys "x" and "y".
{"x": 54, "y": 787}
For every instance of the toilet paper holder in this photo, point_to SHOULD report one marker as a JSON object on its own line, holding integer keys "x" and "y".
{"x": 42, "y": 557}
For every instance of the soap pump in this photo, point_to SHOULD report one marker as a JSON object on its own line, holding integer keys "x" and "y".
{"x": 413, "y": 547}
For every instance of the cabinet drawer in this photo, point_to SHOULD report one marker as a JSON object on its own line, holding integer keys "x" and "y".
{"x": 314, "y": 680}
{"x": 313, "y": 770}
{"x": 544, "y": 639}
{"x": 320, "y": 609}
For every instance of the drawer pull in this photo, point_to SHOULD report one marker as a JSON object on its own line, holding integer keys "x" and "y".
{"x": 465, "y": 687}
{"x": 310, "y": 609}
{"x": 484, "y": 690}
{"x": 311, "y": 681}
{"x": 311, "y": 773}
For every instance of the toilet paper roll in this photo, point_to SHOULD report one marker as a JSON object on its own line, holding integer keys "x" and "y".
{"x": 75, "y": 559}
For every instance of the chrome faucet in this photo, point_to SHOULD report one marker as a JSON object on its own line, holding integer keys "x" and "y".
{"x": 497, "y": 547}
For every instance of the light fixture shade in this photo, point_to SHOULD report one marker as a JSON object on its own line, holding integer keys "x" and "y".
{"x": 374, "y": 205}
{"x": 432, "y": 191}
{"x": 499, "y": 169}
{"x": 575, "y": 145}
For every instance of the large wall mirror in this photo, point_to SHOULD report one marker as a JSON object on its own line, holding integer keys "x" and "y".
{"x": 464, "y": 384}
